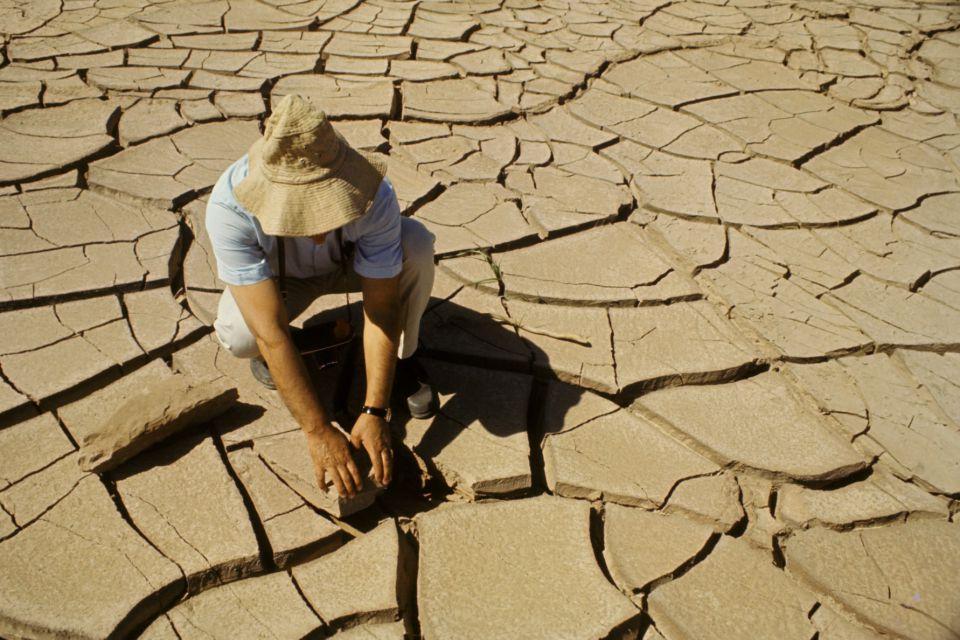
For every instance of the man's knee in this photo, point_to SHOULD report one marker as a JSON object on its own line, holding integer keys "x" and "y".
{"x": 235, "y": 337}
{"x": 417, "y": 241}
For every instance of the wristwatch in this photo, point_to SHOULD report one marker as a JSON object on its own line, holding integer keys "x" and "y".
{"x": 376, "y": 411}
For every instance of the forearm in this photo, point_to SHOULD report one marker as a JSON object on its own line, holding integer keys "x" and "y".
{"x": 381, "y": 335}
{"x": 293, "y": 382}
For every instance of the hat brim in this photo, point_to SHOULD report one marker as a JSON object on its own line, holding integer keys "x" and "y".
{"x": 310, "y": 208}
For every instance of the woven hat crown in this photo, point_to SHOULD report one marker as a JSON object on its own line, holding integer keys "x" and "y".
{"x": 299, "y": 143}
{"x": 303, "y": 177}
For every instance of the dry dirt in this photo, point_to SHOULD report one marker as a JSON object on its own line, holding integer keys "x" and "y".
{"x": 696, "y": 322}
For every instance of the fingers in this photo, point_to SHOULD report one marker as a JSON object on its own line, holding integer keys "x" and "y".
{"x": 338, "y": 482}
{"x": 349, "y": 486}
{"x": 354, "y": 474}
{"x": 387, "y": 455}
{"x": 322, "y": 480}
{"x": 375, "y": 453}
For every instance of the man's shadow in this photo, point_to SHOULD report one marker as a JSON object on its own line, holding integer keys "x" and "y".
{"x": 484, "y": 374}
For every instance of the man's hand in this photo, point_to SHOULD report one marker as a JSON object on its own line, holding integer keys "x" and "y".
{"x": 330, "y": 451}
{"x": 373, "y": 434}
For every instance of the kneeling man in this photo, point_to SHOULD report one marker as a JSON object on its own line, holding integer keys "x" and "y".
{"x": 305, "y": 206}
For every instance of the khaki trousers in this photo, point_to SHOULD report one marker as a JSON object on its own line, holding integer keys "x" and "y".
{"x": 416, "y": 282}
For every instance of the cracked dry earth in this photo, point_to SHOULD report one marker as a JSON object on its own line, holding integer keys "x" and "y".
{"x": 696, "y": 322}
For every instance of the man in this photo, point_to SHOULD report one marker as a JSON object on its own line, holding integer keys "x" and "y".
{"x": 303, "y": 192}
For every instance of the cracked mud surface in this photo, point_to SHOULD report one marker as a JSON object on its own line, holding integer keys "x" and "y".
{"x": 695, "y": 326}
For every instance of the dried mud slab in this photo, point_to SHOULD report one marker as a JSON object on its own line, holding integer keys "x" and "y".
{"x": 158, "y": 322}
{"x": 292, "y": 526}
{"x": 681, "y": 343}
{"x": 85, "y": 416}
{"x": 754, "y": 192}
{"x": 758, "y": 497}
{"x": 935, "y": 214}
{"x": 714, "y": 500}
{"x": 892, "y": 251}
{"x": 94, "y": 343}
{"x": 7, "y": 525}
{"x": 365, "y": 135}
{"x": 358, "y": 583}
{"x": 759, "y": 598}
{"x": 474, "y": 216}
{"x": 894, "y": 316}
{"x": 665, "y": 78}
{"x": 834, "y": 626}
{"x": 181, "y": 497}
{"x": 266, "y": 606}
{"x": 882, "y": 409}
{"x": 477, "y": 443}
{"x": 694, "y": 243}
{"x": 72, "y": 242}
{"x": 793, "y": 321}
{"x": 786, "y": 125}
{"x": 63, "y": 216}
{"x": 29, "y": 446}
{"x": 149, "y": 119}
{"x": 83, "y": 40}
{"x": 552, "y": 196}
{"x": 536, "y": 201}
{"x": 610, "y": 265}
{"x": 413, "y": 187}
{"x": 472, "y": 326}
{"x": 811, "y": 258}
{"x": 12, "y": 402}
{"x": 885, "y": 168}
{"x": 39, "y": 141}
{"x": 643, "y": 547}
{"x": 200, "y": 278}
{"x": 761, "y": 423}
{"x": 81, "y": 571}
{"x": 35, "y": 494}
{"x": 149, "y": 416}
{"x": 137, "y": 79}
{"x": 937, "y": 374}
{"x": 878, "y": 499}
{"x": 340, "y": 98}
{"x": 533, "y": 594}
{"x": 454, "y": 100}
{"x": 458, "y": 153}
{"x": 389, "y": 631}
{"x": 207, "y": 360}
{"x": 594, "y": 450}
{"x": 899, "y": 579}
{"x": 570, "y": 343}
{"x": 764, "y": 193}
{"x": 166, "y": 172}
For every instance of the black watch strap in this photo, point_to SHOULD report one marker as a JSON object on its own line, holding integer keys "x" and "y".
{"x": 374, "y": 411}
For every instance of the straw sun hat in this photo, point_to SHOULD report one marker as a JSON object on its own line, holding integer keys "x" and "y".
{"x": 304, "y": 179}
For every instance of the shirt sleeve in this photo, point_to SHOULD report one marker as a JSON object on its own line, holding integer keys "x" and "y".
{"x": 240, "y": 258}
{"x": 378, "y": 250}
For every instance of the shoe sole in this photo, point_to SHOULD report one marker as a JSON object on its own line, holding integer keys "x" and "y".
{"x": 417, "y": 408}
{"x": 424, "y": 415}
{"x": 268, "y": 383}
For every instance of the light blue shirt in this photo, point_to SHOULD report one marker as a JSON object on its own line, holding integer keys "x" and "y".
{"x": 246, "y": 255}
